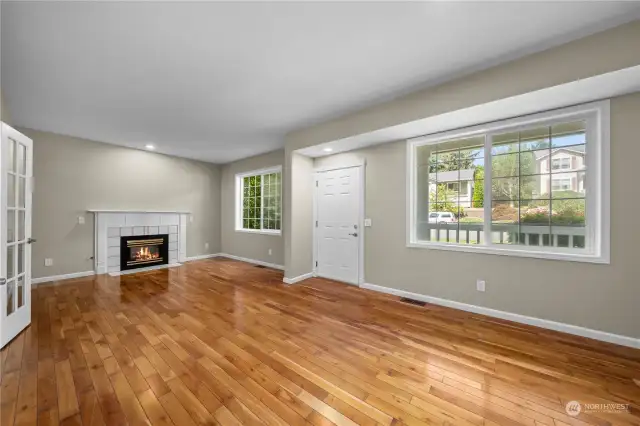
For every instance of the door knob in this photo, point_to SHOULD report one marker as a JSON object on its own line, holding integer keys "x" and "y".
{"x": 3, "y": 281}
{"x": 31, "y": 240}
{"x": 355, "y": 234}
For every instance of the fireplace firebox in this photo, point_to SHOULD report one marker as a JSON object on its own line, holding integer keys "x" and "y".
{"x": 142, "y": 251}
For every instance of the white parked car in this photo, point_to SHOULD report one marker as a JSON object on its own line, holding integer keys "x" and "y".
{"x": 442, "y": 217}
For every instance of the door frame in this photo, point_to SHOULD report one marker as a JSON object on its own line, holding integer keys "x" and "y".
{"x": 361, "y": 164}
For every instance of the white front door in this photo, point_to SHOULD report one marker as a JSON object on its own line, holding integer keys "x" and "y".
{"x": 338, "y": 233}
{"x": 16, "y": 167}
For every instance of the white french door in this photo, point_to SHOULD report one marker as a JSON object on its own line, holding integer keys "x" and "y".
{"x": 338, "y": 236}
{"x": 16, "y": 172}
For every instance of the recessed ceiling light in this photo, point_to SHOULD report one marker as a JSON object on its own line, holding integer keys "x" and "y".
{"x": 327, "y": 149}
{"x": 150, "y": 147}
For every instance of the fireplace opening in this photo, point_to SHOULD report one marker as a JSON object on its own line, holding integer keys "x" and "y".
{"x": 142, "y": 251}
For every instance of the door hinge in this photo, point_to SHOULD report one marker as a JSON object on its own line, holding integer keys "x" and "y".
{"x": 316, "y": 223}
{"x": 316, "y": 263}
{"x": 316, "y": 183}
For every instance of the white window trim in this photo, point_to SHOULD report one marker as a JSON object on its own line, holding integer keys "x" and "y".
{"x": 597, "y": 183}
{"x": 238, "y": 201}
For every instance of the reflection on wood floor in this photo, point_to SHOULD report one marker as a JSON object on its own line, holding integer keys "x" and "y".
{"x": 224, "y": 342}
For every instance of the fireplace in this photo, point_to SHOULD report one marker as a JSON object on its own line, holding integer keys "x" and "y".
{"x": 143, "y": 251}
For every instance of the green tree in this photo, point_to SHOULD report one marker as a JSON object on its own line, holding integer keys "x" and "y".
{"x": 443, "y": 200}
{"x": 507, "y": 180}
{"x": 452, "y": 161}
{"x": 478, "y": 187}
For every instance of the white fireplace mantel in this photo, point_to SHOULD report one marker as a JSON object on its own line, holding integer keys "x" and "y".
{"x": 138, "y": 211}
{"x": 111, "y": 225}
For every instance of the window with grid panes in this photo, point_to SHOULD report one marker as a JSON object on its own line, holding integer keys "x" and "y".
{"x": 259, "y": 201}
{"x": 537, "y": 186}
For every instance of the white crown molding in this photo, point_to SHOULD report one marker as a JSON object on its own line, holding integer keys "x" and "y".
{"x": 523, "y": 319}
{"x": 62, "y": 277}
{"x": 298, "y": 278}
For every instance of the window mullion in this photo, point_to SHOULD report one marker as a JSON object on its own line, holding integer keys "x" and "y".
{"x": 487, "y": 189}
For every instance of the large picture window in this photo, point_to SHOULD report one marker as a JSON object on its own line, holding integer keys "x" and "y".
{"x": 531, "y": 186}
{"x": 258, "y": 201}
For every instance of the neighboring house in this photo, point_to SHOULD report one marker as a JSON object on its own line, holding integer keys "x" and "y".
{"x": 459, "y": 183}
{"x": 564, "y": 165}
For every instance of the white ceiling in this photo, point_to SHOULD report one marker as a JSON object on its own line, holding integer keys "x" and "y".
{"x": 223, "y": 81}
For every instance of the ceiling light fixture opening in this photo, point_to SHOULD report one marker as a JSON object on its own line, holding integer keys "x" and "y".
{"x": 150, "y": 147}
{"x": 327, "y": 149}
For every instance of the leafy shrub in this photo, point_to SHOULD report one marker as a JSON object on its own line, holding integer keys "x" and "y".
{"x": 568, "y": 214}
{"x": 504, "y": 212}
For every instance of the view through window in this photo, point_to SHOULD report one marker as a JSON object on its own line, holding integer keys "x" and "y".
{"x": 530, "y": 191}
{"x": 260, "y": 201}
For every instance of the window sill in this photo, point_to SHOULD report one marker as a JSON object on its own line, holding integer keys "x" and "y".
{"x": 260, "y": 231}
{"x": 516, "y": 252}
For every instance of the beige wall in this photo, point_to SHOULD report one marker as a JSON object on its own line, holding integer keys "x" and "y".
{"x": 73, "y": 175}
{"x": 251, "y": 246}
{"x": 600, "y": 53}
{"x": 298, "y": 215}
{"x": 601, "y": 297}
{"x": 4, "y": 110}
{"x": 604, "y": 52}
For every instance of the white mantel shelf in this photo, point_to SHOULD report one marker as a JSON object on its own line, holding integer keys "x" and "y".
{"x": 139, "y": 211}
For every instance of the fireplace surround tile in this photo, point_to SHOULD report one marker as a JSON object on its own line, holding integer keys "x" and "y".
{"x": 108, "y": 224}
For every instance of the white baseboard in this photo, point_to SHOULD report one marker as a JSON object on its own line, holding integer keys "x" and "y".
{"x": 202, "y": 256}
{"x": 298, "y": 278}
{"x": 61, "y": 277}
{"x": 551, "y": 325}
{"x": 150, "y": 268}
{"x": 255, "y": 262}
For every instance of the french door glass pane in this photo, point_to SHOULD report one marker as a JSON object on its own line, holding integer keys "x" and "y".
{"x": 11, "y": 190}
{"x": 20, "y": 291}
{"x": 11, "y": 226}
{"x": 22, "y": 159}
{"x": 10, "y": 286}
{"x": 12, "y": 155}
{"x": 22, "y": 184}
{"x": 20, "y": 231}
{"x": 21, "y": 259}
{"x": 10, "y": 262}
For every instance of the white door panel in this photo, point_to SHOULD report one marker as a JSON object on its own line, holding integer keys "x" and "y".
{"x": 338, "y": 229}
{"x": 16, "y": 174}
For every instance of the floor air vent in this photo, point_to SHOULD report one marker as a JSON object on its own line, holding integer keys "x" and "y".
{"x": 260, "y": 266}
{"x": 412, "y": 301}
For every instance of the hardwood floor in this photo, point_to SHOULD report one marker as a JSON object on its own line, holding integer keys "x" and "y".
{"x": 220, "y": 342}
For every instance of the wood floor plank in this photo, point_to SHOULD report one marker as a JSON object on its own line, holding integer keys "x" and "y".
{"x": 67, "y": 400}
{"x": 221, "y": 342}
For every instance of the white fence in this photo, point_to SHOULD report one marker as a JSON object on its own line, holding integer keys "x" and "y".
{"x": 505, "y": 233}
